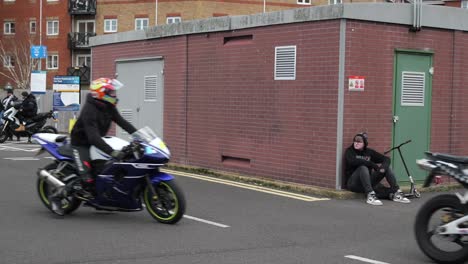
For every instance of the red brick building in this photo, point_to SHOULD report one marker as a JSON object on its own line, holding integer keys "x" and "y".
{"x": 229, "y": 104}
{"x": 72, "y": 22}
{"x": 21, "y": 25}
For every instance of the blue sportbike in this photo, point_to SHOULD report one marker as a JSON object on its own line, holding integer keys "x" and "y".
{"x": 128, "y": 184}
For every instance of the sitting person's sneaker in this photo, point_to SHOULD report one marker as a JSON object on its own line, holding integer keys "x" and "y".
{"x": 372, "y": 199}
{"x": 398, "y": 196}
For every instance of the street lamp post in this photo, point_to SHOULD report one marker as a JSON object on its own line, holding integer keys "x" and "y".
{"x": 156, "y": 13}
{"x": 40, "y": 31}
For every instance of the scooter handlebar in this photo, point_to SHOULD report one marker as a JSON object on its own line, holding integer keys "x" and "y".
{"x": 404, "y": 143}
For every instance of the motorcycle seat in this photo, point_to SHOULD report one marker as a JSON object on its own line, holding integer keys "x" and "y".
{"x": 451, "y": 158}
{"x": 39, "y": 117}
{"x": 60, "y": 139}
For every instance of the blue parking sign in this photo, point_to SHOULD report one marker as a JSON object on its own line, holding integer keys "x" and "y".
{"x": 38, "y": 52}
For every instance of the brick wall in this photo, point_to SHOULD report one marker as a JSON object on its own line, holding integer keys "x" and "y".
{"x": 236, "y": 111}
{"x": 239, "y": 119}
{"x": 188, "y": 10}
{"x": 370, "y": 52}
{"x": 279, "y": 129}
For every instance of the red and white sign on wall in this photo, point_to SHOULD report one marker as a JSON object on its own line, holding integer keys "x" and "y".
{"x": 356, "y": 83}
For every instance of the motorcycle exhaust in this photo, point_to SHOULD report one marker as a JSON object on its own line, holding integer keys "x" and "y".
{"x": 43, "y": 174}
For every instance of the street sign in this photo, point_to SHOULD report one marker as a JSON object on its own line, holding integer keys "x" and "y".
{"x": 38, "y": 52}
{"x": 38, "y": 82}
{"x": 66, "y": 93}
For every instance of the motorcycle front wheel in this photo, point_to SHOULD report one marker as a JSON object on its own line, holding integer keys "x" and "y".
{"x": 438, "y": 211}
{"x": 167, "y": 205}
{"x": 4, "y": 132}
{"x": 69, "y": 203}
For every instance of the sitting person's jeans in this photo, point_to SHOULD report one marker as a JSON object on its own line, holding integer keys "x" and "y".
{"x": 362, "y": 181}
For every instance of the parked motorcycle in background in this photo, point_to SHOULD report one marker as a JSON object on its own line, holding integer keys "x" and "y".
{"x": 120, "y": 185}
{"x": 441, "y": 226}
{"x": 12, "y": 126}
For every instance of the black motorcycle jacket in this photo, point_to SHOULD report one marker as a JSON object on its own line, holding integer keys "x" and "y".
{"x": 29, "y": 106}
{"x": 94, "y": 122}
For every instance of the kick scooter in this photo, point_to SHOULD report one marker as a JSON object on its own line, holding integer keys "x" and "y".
{"x": 413, "y": 192}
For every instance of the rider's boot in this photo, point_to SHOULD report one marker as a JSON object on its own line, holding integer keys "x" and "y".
{"x": 87, "y": 187}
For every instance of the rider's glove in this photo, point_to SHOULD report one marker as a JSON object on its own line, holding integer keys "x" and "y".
{"x": 118, "y": 155}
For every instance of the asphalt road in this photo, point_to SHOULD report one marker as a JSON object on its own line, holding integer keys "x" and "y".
{"x": 224, "y": 224}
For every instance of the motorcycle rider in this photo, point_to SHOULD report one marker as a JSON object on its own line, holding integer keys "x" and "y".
{"x": 29, "y": 105}
{"x": 93, "y": 123}
{"x": 28, "y": 110}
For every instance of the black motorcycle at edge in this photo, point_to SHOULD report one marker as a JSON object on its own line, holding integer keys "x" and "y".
{"x": 12, "y": 125}
{"x": 441, "y": 226}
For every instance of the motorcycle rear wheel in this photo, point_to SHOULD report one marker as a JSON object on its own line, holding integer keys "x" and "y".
{"x": 48, "y": 129}
{"x": 455, "y": 247}
{"x": 167, "y": 206}
{"x": 69, "y": 203}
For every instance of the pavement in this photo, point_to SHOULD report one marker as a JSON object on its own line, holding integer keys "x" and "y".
{"x": 299, "y": 188}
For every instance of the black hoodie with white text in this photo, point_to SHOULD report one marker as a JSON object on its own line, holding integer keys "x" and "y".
{"x": 368, "y": 157}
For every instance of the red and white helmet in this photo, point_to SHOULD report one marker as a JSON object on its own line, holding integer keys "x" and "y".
{"x": 105, "y": 89}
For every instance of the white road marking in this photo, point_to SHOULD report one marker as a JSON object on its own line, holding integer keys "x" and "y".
{"x": 365, "y": 259}
{"x": 250, "y": 187}
{"x": 22, "y": 158}
{"x": 20, "y": 149}
{"x": 205, "y": 221}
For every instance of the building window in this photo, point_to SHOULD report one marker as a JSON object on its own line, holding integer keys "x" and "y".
{"x": 303, "y": 2}
{"x": 9, "y": 28}
{"x": 285, "y": 63}
{"x": 464, "y": 4}
{"x": 141, "y": 23}
{"x": 171, "y": 20}
{"x": 83, "y": 60}
{"x": 334, "y": 2}
{"x": 110, "y": 25}
{"x": 52, "y": 62}
{"x": 52, "y": 28}
{"x": 32, "y": 27}
{"x": 8, "y": 61}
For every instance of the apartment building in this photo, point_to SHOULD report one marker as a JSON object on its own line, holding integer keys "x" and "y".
{"x": 26, "y": 23}
{"x": 65, "y": 26}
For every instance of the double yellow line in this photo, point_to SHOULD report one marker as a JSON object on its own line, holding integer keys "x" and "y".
{"x": 248, "y": 186}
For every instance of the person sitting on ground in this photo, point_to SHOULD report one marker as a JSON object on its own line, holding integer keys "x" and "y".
{"x": 365, "y": 169}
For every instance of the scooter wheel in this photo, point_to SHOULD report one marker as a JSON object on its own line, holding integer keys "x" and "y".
{"x": 417, "y": 194}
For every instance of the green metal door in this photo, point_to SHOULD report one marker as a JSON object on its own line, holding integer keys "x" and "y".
{"x": 412, "y": 111}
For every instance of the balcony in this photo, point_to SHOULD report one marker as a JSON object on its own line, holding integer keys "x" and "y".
{"x": 82, "y": 7}
{"x": 84, "y": 72}
{"x": 78, "y": 40}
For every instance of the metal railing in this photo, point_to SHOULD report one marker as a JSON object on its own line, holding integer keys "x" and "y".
{"x": 82, "y": 7}
{"x": 83, "y": 71}
{"x": 78, "y": 40}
